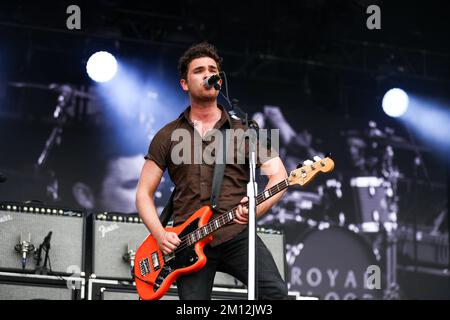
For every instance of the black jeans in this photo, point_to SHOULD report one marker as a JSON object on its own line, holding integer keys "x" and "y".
{"x": 232, "y": 257}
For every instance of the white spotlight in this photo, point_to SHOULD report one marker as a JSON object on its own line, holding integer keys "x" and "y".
{"x": 395, "y": 102}
{"x": 101, "y": 66}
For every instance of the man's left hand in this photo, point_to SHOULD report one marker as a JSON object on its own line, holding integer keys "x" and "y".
{"x": 242, "y": 212}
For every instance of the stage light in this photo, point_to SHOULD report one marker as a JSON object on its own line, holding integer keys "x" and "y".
{"x": 101, "y": 66}
{"x": 395, "y": 102}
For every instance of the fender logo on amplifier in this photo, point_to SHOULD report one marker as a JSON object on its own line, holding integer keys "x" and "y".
{"x": 104, "y": 230}
{"x": 6, "y": 218}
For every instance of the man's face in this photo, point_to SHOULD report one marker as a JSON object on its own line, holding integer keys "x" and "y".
{"x": 198, "y": 70}
{"x": 119, "y": 185}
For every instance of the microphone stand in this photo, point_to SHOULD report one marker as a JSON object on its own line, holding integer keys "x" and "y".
{"x": 45, "y": 245}
{"x": 60, "y": 115}
{"x": 252, "y": 190}
{"x": 251, "y": 194}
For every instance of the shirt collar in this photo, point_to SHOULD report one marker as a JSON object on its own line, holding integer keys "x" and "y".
{"x": 225, "y": 117}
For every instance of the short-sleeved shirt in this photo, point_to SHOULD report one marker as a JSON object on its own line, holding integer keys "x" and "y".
{"x": 193, "y": 180}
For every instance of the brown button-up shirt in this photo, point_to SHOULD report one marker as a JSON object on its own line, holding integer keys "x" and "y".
{"x": 193, "y": 180}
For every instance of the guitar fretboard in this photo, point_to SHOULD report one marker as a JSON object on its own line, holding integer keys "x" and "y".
{"x": 228, "y": 216}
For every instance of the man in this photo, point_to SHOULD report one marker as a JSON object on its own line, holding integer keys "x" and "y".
{"x": 228, "y": 250}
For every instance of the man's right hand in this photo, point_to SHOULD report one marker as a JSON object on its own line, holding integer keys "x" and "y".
{"x": 168, "y": 242}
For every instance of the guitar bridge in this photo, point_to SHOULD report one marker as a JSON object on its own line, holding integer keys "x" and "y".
{"x": 144, "y": 267}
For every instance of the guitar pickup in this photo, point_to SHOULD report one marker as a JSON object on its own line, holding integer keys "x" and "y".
{"x": 155, "y": 261}
{"x": 144, "y": 266}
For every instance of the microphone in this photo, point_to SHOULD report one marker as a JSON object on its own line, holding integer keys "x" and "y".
{"x": 129, "y": 257}
{"x": 212, "y": 81}
{"x": 24, "y": 247}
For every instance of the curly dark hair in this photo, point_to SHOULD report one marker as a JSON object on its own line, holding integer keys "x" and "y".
{"x": 199, "y": 50}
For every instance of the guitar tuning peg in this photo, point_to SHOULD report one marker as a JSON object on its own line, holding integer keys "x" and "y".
{"x": 317, "y": 158}
{"x": 307, "y": 162}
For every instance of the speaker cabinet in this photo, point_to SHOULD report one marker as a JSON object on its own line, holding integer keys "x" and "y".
{"x": 33, "y": 223}
{"x": 103, "y": 289}
{"x": 275, "y": 242}
{"x": 19, "y": 286}
{"x": 114, "y": 236}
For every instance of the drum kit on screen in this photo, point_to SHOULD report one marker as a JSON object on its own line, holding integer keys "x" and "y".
{"x": 342, "y": 238}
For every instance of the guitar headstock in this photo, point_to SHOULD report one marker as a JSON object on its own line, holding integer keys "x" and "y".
{"x": 305, "y": 174}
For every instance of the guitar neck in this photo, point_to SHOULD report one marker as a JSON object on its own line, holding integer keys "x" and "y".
{"x": 228, "y": 216}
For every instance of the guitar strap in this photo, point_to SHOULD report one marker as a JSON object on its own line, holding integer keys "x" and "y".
{"x": 219, "y": 170}
{"x": 168, "y": 210}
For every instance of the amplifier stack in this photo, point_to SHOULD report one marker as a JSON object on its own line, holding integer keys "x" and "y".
{"x": 42, "y": 250}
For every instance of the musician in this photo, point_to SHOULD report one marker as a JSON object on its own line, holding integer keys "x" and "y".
{"x": 228, "y": 250}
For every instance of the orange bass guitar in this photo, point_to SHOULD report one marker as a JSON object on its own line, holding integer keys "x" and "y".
{"x": 154, "y": 272}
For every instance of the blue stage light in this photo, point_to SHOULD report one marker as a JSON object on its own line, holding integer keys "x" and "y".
{"x": 395, "y": 102}
{"x": 101, "y": 66}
